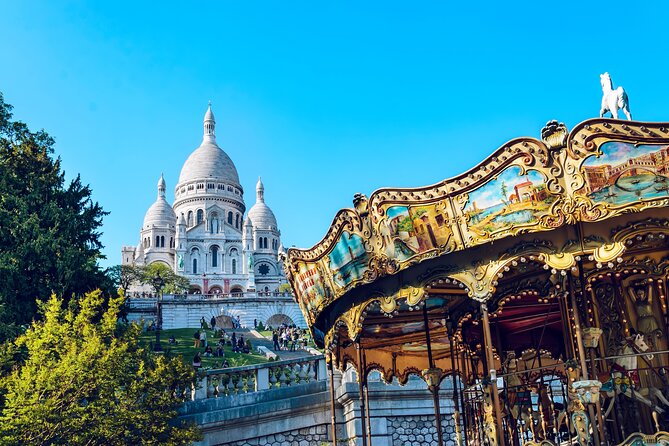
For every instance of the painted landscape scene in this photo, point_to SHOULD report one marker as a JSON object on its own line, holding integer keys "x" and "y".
{"x": 510, "y": 199}
{"x": 624, "y": 173}
{"x": 411, "y": 230}
{"x": 348, "y": 259}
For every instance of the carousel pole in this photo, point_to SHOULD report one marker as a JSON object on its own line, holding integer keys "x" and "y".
{"x": 432, "y": 377}
{"x": 487, "y": 338}
{"x": 361, "y": 374}
{"x": 369, "y": 410}
{"x": 600, "y": 435}
{"x": 332, "y": 400}
{"x": 456, "y": 412}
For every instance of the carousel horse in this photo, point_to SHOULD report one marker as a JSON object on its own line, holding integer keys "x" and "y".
{"x": 624, "y": 378}
{"x": 613, "y": 100}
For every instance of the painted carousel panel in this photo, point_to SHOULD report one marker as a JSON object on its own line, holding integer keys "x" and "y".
{"x": 408, "y": 231}
{"x": 513, "y": 199}
{"x": 622, "y": 173}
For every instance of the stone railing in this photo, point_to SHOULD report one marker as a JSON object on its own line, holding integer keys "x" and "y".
{"x": 255, "y": 378}
{"x": 199, "y": 297}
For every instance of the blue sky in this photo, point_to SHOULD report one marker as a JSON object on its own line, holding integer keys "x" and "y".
{"x": 323, "y": 99}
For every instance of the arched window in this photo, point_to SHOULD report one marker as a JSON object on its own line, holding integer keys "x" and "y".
{"x": 171, "y": 242}
{"x": 200, "y": 216}
{"x": 214, "y": 256}
{"x": 234, "y": 266}
{"x": 162, "y": 241}
{"x": 259, "y": 242}
{"x": 189, "y": 221}
{"x": 230, "y": 218}
{"x": 265, "y": 242}
{"x": 194, "y": 266}
{"x": 237, "y": 221}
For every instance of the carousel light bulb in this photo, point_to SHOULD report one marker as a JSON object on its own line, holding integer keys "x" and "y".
{"x": 546, "y": 266}
{"x": 619, "y": 260}
{"x": 563, "y": 273}
{"x": 578, "y": 258}
{"x": 598, "y": 265}
{"x": 591, "y": 258}
{"x": 553, "y": 271}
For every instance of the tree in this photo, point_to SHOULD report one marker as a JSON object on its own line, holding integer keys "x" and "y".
{"x": 504, "y": 190}
{"x": 81, "y": 378}
{"x": 122, "y": 276}
{"x": 49, "y": 230}
{"x": 162, "y": 278}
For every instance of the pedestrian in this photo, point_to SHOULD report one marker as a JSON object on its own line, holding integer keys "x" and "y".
{"x": 255, "y": 323}
{"x": 213, "y": 322}
{"x": 197, "y": 361}
{"x": 275, "y": 340}
{"x": 203, "y": 324}
{"x": 233, "y": 340}
{"x": 196, "y": 339}
{"x": 203, "y": 338}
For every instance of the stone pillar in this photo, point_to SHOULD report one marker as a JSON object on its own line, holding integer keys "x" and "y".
{"x": 262, "y": 378}
{"x": 199, "y": 392}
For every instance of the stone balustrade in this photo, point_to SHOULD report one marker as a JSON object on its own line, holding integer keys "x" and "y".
{"x": 219, "y": 383}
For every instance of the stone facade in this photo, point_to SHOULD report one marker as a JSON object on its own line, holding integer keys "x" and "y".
{"x": 420, "y": 430}
{"x": 308, "y": 436}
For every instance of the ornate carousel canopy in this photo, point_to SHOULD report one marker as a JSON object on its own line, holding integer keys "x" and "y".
{"x": 511, "y": 271}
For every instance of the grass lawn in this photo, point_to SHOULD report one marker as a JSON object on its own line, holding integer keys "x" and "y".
{"x": 185, "y": 349}
{"x": 266, "y": 333}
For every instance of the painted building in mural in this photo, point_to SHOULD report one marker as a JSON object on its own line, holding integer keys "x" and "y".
{"x": 206, "y": 234}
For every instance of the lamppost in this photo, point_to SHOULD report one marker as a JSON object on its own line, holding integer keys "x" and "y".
{"x": 158, "y": 284}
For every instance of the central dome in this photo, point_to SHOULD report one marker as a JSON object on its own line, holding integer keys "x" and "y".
{"x": 209, "y": 162}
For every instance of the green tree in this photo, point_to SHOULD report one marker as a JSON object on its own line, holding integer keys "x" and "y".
{"x": 504, "y": 189}
{"x": 162, "y": 278}
{"x": 81, "y": 378}
{"x": 122, "y": 276}
{"x": 49, "y": 229}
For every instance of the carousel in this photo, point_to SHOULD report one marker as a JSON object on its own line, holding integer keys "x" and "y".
{"x": 534, "y": 286}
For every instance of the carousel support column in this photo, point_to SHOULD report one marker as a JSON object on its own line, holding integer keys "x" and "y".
{"x": 432, "y": 376}
{"x": 581, "y": 353}
{"x": 332, "y": 401}
{"x": 456, "y": 412}
{"x": 369, "y": 410}
{"x": 487, "y": 339}
{"x": 592, "y": 335}
{"x": 361, "y": 374}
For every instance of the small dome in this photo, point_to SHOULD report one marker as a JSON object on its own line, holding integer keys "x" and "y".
{"x": 160, "y": 213}
{"x": 262, "y": 217}
{"x": 209, "y": 161}
{"x": 260, "y": 214}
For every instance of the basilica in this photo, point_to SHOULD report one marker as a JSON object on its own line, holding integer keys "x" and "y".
{"x": 204, "y": 235}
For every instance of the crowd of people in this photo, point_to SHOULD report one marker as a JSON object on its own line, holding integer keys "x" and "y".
{"x": 289, "y": 338}
{"x": 238, "y": 344}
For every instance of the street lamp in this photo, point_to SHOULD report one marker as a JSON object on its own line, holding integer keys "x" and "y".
{"x": 158, "y": 284}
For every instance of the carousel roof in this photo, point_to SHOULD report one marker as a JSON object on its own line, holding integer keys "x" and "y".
{"x": 505, "y": 234}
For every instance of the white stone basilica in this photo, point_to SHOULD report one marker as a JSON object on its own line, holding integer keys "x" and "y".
{"x": 204, "y": 235}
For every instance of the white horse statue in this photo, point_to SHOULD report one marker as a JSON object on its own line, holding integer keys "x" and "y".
{"x": 625, "y": 379}
{"x": 613, "y": 100}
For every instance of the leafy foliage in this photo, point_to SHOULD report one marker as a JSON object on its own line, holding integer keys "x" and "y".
{"x": 405, "y": 225}
{"x": 162, "y": 278}
{"x": 82, "y": 379}
{"x": 49, "y": 230}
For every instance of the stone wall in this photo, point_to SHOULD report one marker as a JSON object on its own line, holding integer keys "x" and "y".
{"x": 311, "y": 436}
{"x": 420, "y": 430}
